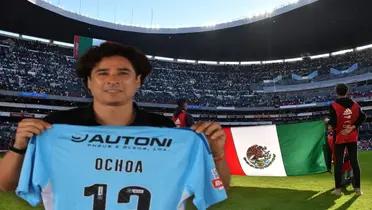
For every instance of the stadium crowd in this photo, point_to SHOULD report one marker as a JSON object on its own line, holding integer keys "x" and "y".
{"x": 365, "y": 140}
{"x": 365, "y": 144}
{"x": 7, "y": 132}
{"x": 26, "y": 63}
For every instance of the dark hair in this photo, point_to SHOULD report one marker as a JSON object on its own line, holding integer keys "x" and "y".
{"x": 181, "y": 102}
{"x": 180, "y": 106}
{"x": 94, "y": 55}
{"x": 341, "y": 89}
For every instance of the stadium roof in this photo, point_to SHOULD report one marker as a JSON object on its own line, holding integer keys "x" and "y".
{"x": 319, "y": 27}
{"x": 174, "y": 17}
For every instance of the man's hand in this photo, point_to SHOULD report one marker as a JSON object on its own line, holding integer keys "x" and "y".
{"x": 11, "y": 163}
{"x": 347, "y": 130}
{"x": 215, "y": 135}
{"x": 216, "y": 139}
{"x": 28, "y": 128}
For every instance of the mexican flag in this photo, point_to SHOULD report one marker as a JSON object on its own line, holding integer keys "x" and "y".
{"x": 276, "y": 150}
{"x": 82, "y": 44}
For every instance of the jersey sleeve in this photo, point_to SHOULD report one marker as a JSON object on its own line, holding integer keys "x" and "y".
{"x": 203, "y": 180}
{"x": 33, "y": 174}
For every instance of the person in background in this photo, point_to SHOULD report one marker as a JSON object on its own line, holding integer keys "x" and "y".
{"x": 345, "y": 118}
{"x": 180, "y": 117}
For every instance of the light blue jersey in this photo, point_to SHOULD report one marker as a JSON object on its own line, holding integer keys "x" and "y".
{"x": 116, "y": 168}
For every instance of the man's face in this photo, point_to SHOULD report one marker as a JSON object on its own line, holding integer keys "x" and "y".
{"x": 113, "y": 81}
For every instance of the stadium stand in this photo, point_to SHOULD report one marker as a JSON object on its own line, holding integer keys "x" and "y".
{"x": 7, "y": 129}
{"x": 51, "y": 68}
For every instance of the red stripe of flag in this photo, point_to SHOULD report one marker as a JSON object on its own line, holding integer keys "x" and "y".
{"x": 76, "y": 46}
{"x": 231, "y": 156}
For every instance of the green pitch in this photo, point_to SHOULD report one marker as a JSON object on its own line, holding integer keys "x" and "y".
{"x": 266, "y": 193}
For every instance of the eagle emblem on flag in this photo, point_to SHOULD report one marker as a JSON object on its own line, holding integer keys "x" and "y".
{"x": 259, "y": 157}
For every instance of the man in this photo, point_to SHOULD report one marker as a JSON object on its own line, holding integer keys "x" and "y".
{"x": 345, "y": 118}
{"x": 181, "y": 118}
{"x": 112, "y": 73}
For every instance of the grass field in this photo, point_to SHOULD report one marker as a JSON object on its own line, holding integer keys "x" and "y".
{"x": 266, "y": 193}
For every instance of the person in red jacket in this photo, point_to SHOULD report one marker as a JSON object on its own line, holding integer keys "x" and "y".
{"x": 181, "y": 118}
{"x": 345, "y": 118}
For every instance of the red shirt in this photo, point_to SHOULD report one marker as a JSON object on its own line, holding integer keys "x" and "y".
{"x": 180, "y": 119}
{"x": 346, "y": 117}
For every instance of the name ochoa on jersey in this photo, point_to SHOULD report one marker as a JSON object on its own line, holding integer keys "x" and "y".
{"x": 118, "y": 165}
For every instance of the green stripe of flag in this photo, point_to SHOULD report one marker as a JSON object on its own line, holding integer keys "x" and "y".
{"x": 84, "y": 44}
{"x": 295, "y": 142}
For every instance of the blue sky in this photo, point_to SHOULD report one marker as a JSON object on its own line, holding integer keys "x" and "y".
{"x": 170, "y": 13}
